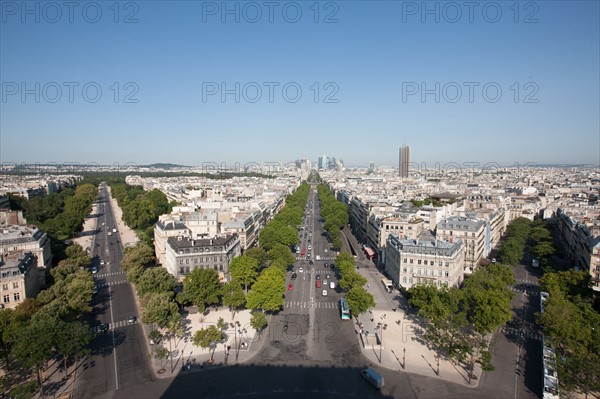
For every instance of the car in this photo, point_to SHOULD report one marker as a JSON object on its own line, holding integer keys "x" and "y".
{"x": 318, "y": 283}
{"x": 300, "y": 270}
{"x": 324, "y": 292}
{"x": 325, "y": 265}
{"x": 325, "y": 283}
{"x": 332, "y": 285}
{"x": 103, "y": 327}
{"x": 290, "y": 286}
{"x": 94, "y": 269}
{"x": 318, "y": 277}
{"x": 493, "y": 260}
{"x": 131, "y": 319}
{"x": 302, "y": 253}
{"x": 101, "y": 263}
{"x": 311, "y": 262}
{"x": 294, "y": 276}
{"x": 332, "y": 265}
{"x": 327, "y": 276}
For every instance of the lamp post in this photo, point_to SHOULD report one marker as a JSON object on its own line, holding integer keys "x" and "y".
{"x": 403, "y": 358}
{"x": 381, "y": 328}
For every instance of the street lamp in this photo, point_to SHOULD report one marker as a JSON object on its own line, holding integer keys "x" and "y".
{"x": 381, "y": 328}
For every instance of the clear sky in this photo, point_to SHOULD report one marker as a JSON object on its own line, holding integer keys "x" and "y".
{"x": 190, "y": 82}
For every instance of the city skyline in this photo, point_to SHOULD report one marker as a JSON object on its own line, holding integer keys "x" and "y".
{"x": 193, "y": 82}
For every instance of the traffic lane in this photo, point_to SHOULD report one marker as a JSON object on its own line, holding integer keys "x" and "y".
{"x": 124, "y": 307}
{"x": 132, "y": 358}
{"x": 98, "y": 370}
{"x": 289, "y": 382}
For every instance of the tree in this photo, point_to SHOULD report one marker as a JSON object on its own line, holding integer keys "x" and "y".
{"x": 139, "y": 255}
{"x": 359, "y": 300}
{"x": 233, "y": 296}
{"x": 258, "y": 321}
{"x": 207, "y": 336}
{"x": 257, "y": 253}
{"x": 160, "y": 310}
{"x": 35, "y": 343}
{"x": 267, "y": 292}
{"x": 282, "y": 252}
{"x": 244, "y": 270}
{"x": 156, "y": 280}
{"x": 72, "y": 340}
{"x": 352, "y": 279}
{"x": 161, "y": 353}
{"x": 202, "y": 287}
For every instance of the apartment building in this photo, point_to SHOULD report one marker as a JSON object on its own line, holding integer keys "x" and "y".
{"x": 410, "y": 262}
{"x": 581, "y": 245}
{"x": 471, "y": 231}
{"x": 167, "y": 226}
{"x": 14, "y": 238}
{"x": 184, "y": 254}
{"x": 20, "y": 278}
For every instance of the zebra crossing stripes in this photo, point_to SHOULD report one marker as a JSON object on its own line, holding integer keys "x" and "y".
{"x": 110, "y": 283}
{"x": 109, "y": 274}
{"x": 526, "y": 334}
{"x": 115, "y": 325}
{"x": 531, "y": 292}
{"x": 310, "y": 305}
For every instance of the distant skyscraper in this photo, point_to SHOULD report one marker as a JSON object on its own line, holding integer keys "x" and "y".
{"x": 403, "y": 161}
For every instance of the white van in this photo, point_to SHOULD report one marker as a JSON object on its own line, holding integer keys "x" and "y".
{"x": 332, "y": 285}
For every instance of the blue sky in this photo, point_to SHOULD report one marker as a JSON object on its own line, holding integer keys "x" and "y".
{"x": 532, "y": 72}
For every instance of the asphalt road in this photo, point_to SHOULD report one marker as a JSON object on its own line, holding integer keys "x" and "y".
{"x": 317, "y": 356}
{"x": 119, "y": 357}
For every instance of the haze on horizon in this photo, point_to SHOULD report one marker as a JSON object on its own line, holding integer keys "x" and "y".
{"x": 191, "y": 83}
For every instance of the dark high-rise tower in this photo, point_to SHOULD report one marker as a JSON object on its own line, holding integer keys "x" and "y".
{"x": 403, "y": 160}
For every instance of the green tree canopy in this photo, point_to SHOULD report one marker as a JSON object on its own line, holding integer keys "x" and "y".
{"x": 244, "y": 270}
{"x": 359, "y": 300}
{"x": 156, "y": 280}
{"x": 202, "y": 287}
{"x": 267, "y": 291}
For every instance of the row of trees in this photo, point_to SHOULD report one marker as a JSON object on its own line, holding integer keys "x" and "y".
{"x": 572, "y": 327}
{"x": 459, "y": 321}
{"x": 513, "y": 246}
{"x": 540, "y": 240}
{"x": 50, "y": 326}
{"x": 141, "y": 209}
{"x": 359, "y": 300}
{"x": 283, "y": 228}
{"x": 59, "y": 214}
{"x": 335, "y": 214}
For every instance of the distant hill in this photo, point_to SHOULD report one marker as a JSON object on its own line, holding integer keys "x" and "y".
{"x": 164, "y": 166}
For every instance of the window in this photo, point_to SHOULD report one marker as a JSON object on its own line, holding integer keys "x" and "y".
{"x": 17, "y": 296}
{"x": 440, "y": 263}
{"x": 181, "y": 270}
{"x": 15, "y": 273}
{"x": 411, "y": 261}
{"x": 5, "y": 287}
{"x": 439, "y": 273}
{"x": 419, "y": 261}
{"x": 446, "y": 274}
{"x": 404, "y": 279}
{"x": 447, "y": 264}
{"x": 404, "y": 270}
{"x": 6, "y": 298}
{"x": 405, "y": 259}
{"x": 16, "y": 285}
{"x": 4, "y": 274}
{"x": 419, "y": 271}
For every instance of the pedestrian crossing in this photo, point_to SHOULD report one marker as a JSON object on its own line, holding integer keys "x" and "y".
{"x": 310, "y": 305}
{"x": 109, "y": 274}
{"x": 110, "y": 283}
{"x": 525, "y": 281}
{"x": 322, "y": 258}
{"x": 525, "y": 334}
{"x": 531, "y": 292}
{"x": 114, "y": 326}
{"x": 326, "y": 271}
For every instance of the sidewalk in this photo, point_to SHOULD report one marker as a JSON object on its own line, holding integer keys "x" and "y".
{"x": 126, "y": 234}
{"x": 397, "y": 344}
{"x": 239, "y": 345}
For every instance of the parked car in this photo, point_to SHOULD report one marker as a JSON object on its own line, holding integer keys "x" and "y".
{"x": 103, "y": 327}
{"x": 290, "y": 286}
{"x": 131, "y": 319}
{"x": 294, "y": 275}
{"x": 324, "y": 292}
{"x": 318, "y": 283}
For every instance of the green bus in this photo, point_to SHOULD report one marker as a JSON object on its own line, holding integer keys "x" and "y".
{"x": 344, "y": 311}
